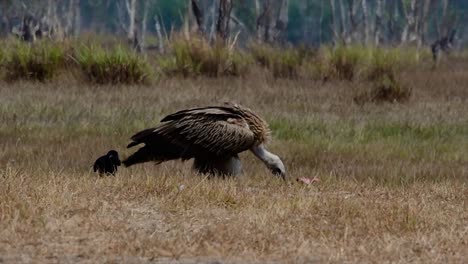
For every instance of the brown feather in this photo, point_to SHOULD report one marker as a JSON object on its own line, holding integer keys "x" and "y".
{"x": 210, "y": 136}
{"x": 214, "y": 131}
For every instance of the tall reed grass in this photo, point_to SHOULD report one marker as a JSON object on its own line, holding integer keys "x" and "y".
{"x": 282, "y": 63}
{"x": 105, "y": 63}
{"x": 118, "y": 65}
{"x": 39, "y": 62}
{"x": 197, "y": 57}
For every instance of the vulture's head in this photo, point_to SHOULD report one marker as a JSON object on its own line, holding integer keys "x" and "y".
{"x": 277, "y": 167}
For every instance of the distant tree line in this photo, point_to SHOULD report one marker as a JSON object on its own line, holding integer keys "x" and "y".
{"x": 282, "y": 22}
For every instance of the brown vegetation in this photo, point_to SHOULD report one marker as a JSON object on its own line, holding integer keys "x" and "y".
{"x": 393, "y": 176}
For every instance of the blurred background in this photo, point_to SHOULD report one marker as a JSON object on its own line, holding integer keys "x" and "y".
{"x": 286, "y": 22}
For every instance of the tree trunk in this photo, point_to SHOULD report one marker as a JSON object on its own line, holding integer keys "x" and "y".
{"x": 131, "y": 11}
{"x": 258, "y": 14}
{"x": 157, "y": 27}
{"x": 410, "y": 28}
{"x": 69, "y": 18}
{"x": 142, "y": 40}
{"x": 322, "y": 7}
{"x": 272, "y": 20}
{"x": 76, "y": 18}
{"x": 343, "y": 31}
{"x": 392, "y": 21}
{"x": 353, "y": 24}
{"x": 365, "y": 21}
{"x": 224, "y": 16}
{"x": 213, "y": 20}
{"x": 281, "y": 21}
{"x": 442, "y": 28}
{"x": 378, "y": 22}
{"x": 424, "y": 21}
{"x": 333, "y": 21}
{"x": 199, "y": 15}
{"x": 127, "y": 17}
{"x": 263, "y": 19}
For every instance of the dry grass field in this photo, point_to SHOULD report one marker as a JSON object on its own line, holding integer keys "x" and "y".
{"x": 393, "y": 177}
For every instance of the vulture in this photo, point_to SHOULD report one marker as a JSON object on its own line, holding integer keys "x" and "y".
{"x": 107, "y": 164}
{"x": 213, "y": 136}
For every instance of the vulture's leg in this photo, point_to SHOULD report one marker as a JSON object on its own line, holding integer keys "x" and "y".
{"x": 230, "y": 166}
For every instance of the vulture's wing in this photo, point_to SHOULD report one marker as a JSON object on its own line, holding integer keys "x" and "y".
{"x": 219, "y": 111}
{"x": 210, "y": 136}
{"x": 201, "y": 131}
{"x": 141, "y": 137}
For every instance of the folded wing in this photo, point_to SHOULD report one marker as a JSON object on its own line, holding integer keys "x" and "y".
{"x": 199, "y": 132}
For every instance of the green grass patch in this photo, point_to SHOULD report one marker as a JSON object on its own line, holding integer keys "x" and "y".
{"x": 385, "y": 89}
{"x": 345, "y": 63}
{"x": 364, "y": 63}
{"x": 117, "y": 65}
{"x": 282, "y": 63}
{"x": 196, "y": 57}
{"x": 39, "y": 62}
{"x": 396, "y": 139}
{"x": 304, "y": 130}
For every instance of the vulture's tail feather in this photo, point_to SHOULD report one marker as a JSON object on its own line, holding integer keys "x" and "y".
{"x": 140, "y": 156}
{"x": 158, "y": 150}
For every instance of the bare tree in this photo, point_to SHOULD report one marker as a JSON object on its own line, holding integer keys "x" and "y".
{"x": 351, "y": 34}
{"x": 392, "y": 25}
{"x": 343, "y": 30}
{"x": 441, "y": 30}
{"x": 263, "y": 16}
{"x": 61, "y": 18}
{"x": 56, "y": 19}
{"x": 259, "y": 13}
{"x": 34, "y": 24}
{"x": 322, "y": 9}
{"x": 224, "y": 16}
{"x": 311, "y": 23}
{"x": 157, "y": 27}
{"x": 378, "y": 22}
{"x": 282, "y": 20}
{"x": 141, "y": 24}
{"x": 365, "y": 20}
{"x": 77, "y": 18}
{"x": 272, "y": 19}
{"x": 373, "y": 22}
{"x": 411, "y": 27}
{"x": 68, "y": 25}
{"x": 333, "y": 21}
{"x": 133, "y": 21}
{"x": 199, "y": 15}
{"x": 423, "y": 21}
{"x": 127, "y": 18}
{"x": 213, "y": 19}
{"x": 11, "y": 15}
{"x": 349, "y": 20}
{"x": 28, "y": 30}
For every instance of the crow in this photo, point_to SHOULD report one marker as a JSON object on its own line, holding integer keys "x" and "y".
{"x": 107, "y": 164}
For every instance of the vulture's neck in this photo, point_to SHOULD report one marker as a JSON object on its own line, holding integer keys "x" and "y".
{"x": 270, "y": 159}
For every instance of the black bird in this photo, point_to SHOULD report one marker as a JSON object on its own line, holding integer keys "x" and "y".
{"x": 108, "y": 163}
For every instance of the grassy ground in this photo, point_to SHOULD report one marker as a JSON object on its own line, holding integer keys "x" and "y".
{"x": 393, "y": 176}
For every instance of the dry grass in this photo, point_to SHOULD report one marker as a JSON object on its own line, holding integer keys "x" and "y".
{"x": 393, "y": 176}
